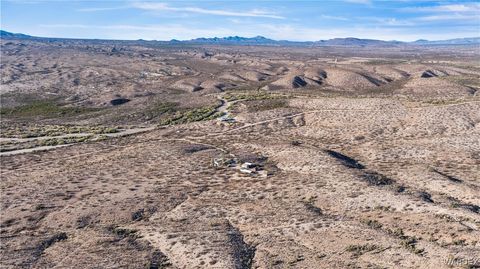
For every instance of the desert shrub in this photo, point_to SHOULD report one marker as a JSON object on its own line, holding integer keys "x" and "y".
{"x": 376, "y": 179}
{"x": 104, "y": 130}
{"x": 252, "y": 96}
{"x": 373, "y": 223}
{"x": 267, "y": 104}
{"x": 124, "y": 232}
{"x": 295, "y": 143}
{"x": 159, "y": 109}
{"x": 408, "y": 242}
{"x": 64, "y": 140}
{"x": 358, "y": 250}
{"x": 192, "y": 115}
{"x": 53, "y": 130}
{"x": 43, "y": 245}
{"x": 44, "y": 109}
{"x": 195, "y": 148}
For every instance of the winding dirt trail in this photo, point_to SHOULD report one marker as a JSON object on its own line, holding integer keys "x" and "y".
{"x": 222, "y": 108}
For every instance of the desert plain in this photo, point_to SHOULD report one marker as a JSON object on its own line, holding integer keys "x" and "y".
{"x": 136, "y": 155}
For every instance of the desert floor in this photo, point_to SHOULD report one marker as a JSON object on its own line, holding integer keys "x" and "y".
{"x": 234, "y": 157}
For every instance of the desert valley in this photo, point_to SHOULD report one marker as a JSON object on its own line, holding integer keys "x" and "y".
{"x": 137, "y": 154}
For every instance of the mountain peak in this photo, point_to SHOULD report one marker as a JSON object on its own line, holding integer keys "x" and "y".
{"x": 233, "y": 40}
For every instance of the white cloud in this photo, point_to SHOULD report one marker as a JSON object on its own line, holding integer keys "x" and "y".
{"x": 292, "y": 32}
{"x": 93, "y": 9}
{"x": 452, "y": 13}
{"x": 132, "y": 32}
{"x": 463, "y": 8}
{"x": 236, "y": 21}
{"x": 432, "y": 19}
{"x": 337, "y": 18}
{"x": 219, "y": 12}
{"x": 23, "y": 1}
{"x": 395, "y": 22}
{"x": 460, "y": 8}
{"x": 64, "y": 26}
{"x": 365, "y": 2}
{"x": 447, "y": 17}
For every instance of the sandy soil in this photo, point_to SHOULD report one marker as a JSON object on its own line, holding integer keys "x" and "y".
{"x": 373, "y": 166}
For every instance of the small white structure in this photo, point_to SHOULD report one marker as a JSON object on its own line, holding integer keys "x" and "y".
{"x": 222, "y": 162}
{"x": 246, "y": 171}
{"x": 250, "y": 168}
{"x": 226, "y": 118}
{"x": 248, "y": 165}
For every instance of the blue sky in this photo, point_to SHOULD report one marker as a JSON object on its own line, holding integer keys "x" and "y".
{"x": 404, "y": 20}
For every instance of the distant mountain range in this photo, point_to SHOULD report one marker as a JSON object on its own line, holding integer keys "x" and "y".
{"x": 263, "y": 41}
{"x": 456, "y": 41}
{"x": 349, "y": 41}
{"x": 5, "y": 34}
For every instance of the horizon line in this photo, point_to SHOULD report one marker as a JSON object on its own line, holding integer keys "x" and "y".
{"x": 257, "y": 36}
